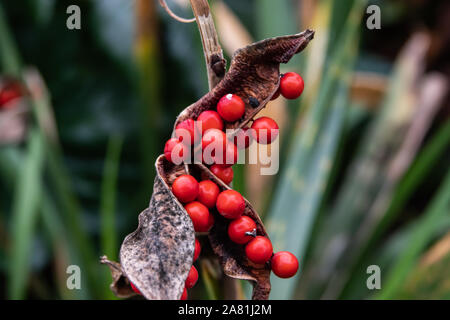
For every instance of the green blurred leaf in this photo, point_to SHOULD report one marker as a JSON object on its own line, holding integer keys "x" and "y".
{"x": 108, "y": 198}
{"x": 423, "y": 233}
{"x": 424, "y": 163}
{"x": 335, "y": 244}
{"x": 429, "y": 279}
{"x": 9, "y": 58}
{"x": 302, "y": 184}
{"x": 24, "y": 213}
{"x": 275, "y": 18}
{"x": 108, "y": 229}
{"x": 11, "y": 162}
{"x": 385, "y": 255}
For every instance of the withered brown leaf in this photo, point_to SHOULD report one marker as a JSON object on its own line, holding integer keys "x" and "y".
{"x": 157, "y": 256}
{"x": 120, "y": 285}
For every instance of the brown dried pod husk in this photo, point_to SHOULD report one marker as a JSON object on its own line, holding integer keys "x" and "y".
{"x": 158, "y": 255}
{"x": 254, "y": 75}
{"x": 120, "y": 285}
{"x": 231, "y": 255}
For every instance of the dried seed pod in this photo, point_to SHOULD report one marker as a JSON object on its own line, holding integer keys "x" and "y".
{"x": 158, "y": 255}
{"x": 254, "y": 75}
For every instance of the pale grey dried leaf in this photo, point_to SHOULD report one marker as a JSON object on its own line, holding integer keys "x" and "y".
{"x": 157, "y": 257}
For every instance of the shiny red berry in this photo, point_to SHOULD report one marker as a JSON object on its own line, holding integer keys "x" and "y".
{"x": 207, "y": 193}
{"x": 197, "y": 249}
{"x": 229, "y": 158}
{"x": 184, "y": 295}
{"x": 230, "y": 204}
{"x": 199, "y": 215}
{"x": 231, "y": 107}
{"x": 213, "y": 141}
{"x": 136, "y": 290}
{"x": 284, "y": 264}
{"x": 265, "y": 130}
{"x": 259, "y": 250}
{"x": 175, "y": 151}
{"x": 185, "y": 188}
{"x": 223, "y": 173}
{"x": 239, "y": 227}
{"x": 243, "y": 138}
{"x": 209, "y": 120}
{"x": 210, "y": 223}
{"x": 186, "y": 132}
{"x": 291, "y": 85}
{"x": 192, "y": 278}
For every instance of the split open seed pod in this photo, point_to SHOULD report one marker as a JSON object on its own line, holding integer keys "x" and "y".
{"x": 158, "y": 255}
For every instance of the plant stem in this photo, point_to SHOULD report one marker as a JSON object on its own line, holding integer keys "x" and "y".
{"x": 215, "y": 68}
{"x": 215, "y": 63}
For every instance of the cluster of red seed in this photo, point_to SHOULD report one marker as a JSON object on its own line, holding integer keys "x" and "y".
{"x": 199, "y": 197}
{"x": 208, "y": 131}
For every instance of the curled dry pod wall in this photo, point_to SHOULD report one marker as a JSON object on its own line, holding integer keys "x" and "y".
{"x": 158, "y": 255}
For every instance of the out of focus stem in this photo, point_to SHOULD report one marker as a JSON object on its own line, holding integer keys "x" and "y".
{"x": 215, "y": 63}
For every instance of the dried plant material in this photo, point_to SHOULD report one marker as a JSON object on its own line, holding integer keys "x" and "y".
{"x": 215, "y": 62}
{"x": 254, "y": 75}
{"x": 158, "y": 255}
{"x": 173, "y": 15}
{"x": 120, "y": 285}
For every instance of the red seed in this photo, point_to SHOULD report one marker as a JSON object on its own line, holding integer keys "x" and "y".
{"x": 291, "y": 85}
{"x": 184, "y": 295}
{"x": 230, "y": 204}
{"x": 259, "y": 250}
{"x": 224, "y": 174}
{"x": 213, "y": 141}
{"x": 199, "y": 215}
{"x": 210, "y": 223}
{"x": 229, "y": 158}
{"x": 207, "y": 193}
{"x": 231, "y": 107}
{"x": 175, "y": 151}
{"x": 192, "y": 278}
{"x": 209, "y": 120}
{"x": 197, "y": 249}
{"x": 265, "y": 130}
{"x": 186, "y": 132}
{"x": 136, "y": 290}
{"x": 185, "y": 188}
{"x": 284, "y": 264}
{"x": 243, "y": 138}
{"x": 238, "y": 228}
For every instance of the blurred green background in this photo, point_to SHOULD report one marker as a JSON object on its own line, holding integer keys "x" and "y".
{"x": 365, "y": 152}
